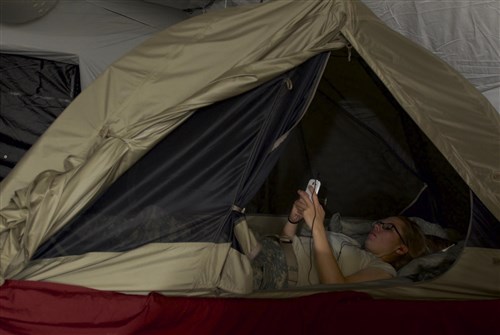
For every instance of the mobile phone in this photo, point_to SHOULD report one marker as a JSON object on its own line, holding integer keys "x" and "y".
{"x": 316, "y": 184}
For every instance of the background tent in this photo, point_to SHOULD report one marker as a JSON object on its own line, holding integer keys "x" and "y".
{"x": 48, "y": 60}
{"x": 107, "y": 139}
{"x": 91, "y": 34}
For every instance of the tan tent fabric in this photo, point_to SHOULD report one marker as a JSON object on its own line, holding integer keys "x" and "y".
{"x": 144, "y": 96}
{"x": 153, "y": 89}
{"x": 199, "y": 266}
{"x": 171, "y": 268}
{"x": 445, "y": 105}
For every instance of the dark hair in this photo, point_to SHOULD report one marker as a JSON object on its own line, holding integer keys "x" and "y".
{"x": 416, "y": 243}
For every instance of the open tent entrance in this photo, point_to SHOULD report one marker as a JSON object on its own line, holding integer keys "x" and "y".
{"x": 373, "y": 160}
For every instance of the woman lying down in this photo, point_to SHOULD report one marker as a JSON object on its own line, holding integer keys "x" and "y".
{"x": 330, "y": 257}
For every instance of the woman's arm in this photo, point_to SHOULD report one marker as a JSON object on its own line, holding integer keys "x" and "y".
{"x": 294, "y": 217}
{"x": 328, "y": 268}
{"x": 326, "y": 263}
{"x": 289, "y": 230}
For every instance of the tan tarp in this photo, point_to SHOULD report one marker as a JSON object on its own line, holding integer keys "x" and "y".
{"x": 169, "y": 268}
{"x": 199, "y": 266}
{"x": 153, "y": 89}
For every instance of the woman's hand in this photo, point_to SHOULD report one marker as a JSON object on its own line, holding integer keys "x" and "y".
{"x": 304, "y": 208}
{"x": 297, "y": 212}
{"x": 311, "y": 211}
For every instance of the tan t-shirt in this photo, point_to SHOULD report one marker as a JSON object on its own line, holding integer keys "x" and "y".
{"x": 350, "y": 256}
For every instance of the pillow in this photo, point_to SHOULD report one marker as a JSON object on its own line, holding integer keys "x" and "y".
{"x": 432, "y": 265}
{"x": 357, "y": 228}
{"x": 429, "y": 228}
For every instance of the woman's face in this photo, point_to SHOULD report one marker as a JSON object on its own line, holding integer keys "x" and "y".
{"x": 383, "y": 242}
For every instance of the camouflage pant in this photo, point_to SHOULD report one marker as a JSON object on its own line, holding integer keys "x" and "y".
{"x": 269, "y": 266}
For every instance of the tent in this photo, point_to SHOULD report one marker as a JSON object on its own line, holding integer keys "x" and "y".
{"x": 137, "y": 115}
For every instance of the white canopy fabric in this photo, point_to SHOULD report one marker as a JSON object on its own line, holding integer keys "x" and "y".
{"x": 90, "y": 33}
{"x": 463, "y": 33}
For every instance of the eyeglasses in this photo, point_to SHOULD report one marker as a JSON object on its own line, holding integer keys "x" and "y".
{"x": 390, "y": 226}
